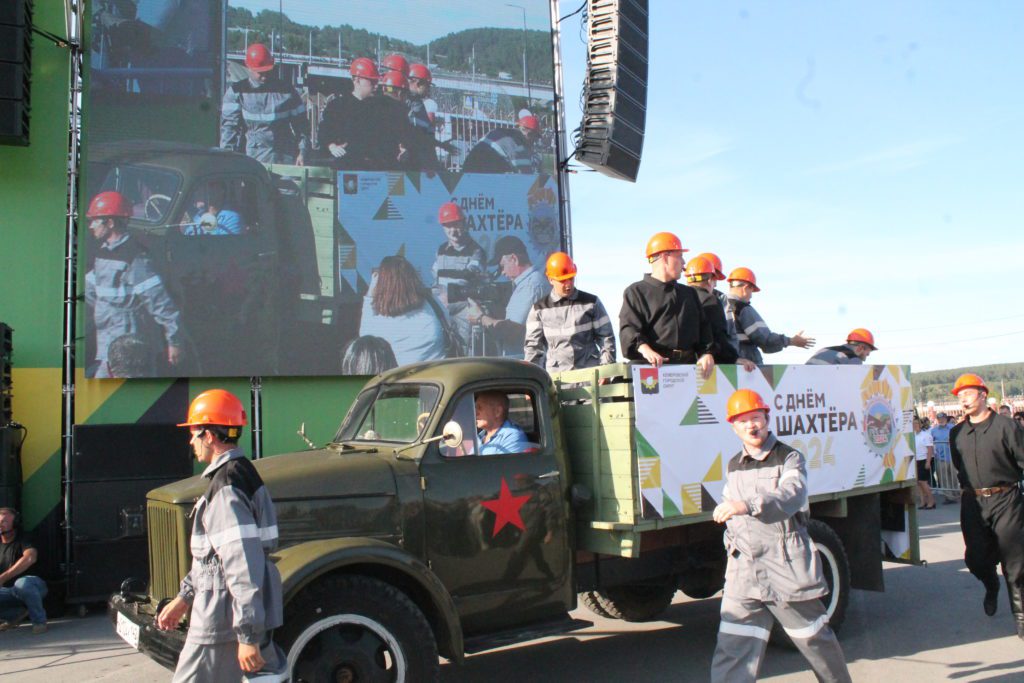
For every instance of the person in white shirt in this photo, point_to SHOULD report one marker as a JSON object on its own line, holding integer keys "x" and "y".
{"x": 925, "y": 446}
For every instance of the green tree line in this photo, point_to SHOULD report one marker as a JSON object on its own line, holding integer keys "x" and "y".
{"x": 494, "y": 50}
{"x": 935, "y": 385}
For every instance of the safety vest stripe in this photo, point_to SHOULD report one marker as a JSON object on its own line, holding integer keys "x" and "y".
{"x": 274, "y": 115}
{"x": 808, "y": 631}
{"x": 235, "y": 533}
{"x": 124, "y": 290}
{"x": 745, "y": 630}
{"x": 792, "y": 474}
{"x": 759, "y": 325}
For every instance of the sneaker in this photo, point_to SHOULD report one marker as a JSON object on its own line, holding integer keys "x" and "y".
{"x": 14, "y": 621}
{"x": 40, "y": 628}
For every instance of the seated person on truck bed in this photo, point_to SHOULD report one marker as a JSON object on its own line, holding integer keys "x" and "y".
{"x": 498, "y": 435}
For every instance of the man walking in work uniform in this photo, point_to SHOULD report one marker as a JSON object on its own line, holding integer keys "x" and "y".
{"x": 233, "y": 587}
{"x": 568, "y": 329}
{"x": 988, "y": 453}
{"x": 773, "y": 569}
{"x": 662, "y": 321}
{"x": 860, "y": 343}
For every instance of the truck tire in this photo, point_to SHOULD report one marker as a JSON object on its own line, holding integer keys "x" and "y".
{"x": 836, "y": 568}
{"x": 357, "y": 628}
{"x": 592, "y": 602}
{"x": 638, "y": 602}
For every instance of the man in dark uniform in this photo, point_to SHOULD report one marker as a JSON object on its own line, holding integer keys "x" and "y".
{"x": 424, "y": 142}
{"x": 988, "y": 452}
{"x": 346, "y": 123}
{"x": 394, "y": 131}
{"x": 700, "y": 275}
{"x": 859, "y": 345}
{"x": 662, "y": 321}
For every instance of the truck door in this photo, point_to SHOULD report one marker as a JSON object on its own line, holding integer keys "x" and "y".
{"x": 222, "y": 267}
{"x": 496, "y": 522}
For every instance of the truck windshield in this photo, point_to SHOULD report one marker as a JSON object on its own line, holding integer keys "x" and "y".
{"x": 150, "y": 190}
{"x": 389, "y": 412}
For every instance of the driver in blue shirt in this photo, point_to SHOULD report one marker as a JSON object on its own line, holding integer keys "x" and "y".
{"x": 496, "y": 433}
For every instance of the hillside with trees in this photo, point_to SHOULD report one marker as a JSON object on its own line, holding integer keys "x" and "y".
{"x": 934, "y": 385}
{"x": 493, "y": 50}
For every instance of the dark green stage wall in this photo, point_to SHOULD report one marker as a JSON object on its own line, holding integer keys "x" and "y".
{"x": 32, "y": 235}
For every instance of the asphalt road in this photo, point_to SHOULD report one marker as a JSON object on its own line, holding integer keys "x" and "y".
{"x": 927, "y": 626}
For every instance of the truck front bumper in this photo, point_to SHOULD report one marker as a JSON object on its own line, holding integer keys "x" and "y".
{"x": 162, "y": 647}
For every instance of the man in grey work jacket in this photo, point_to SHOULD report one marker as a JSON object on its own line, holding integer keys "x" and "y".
{"x": 128, "y": 299}
{"x": 773, "y": 569}
{"x": 860, "y": 344}
{"x": 263, "y": 116}
{"x": 233, "y": 588}
{"x": 568, "y": 329}
{"x": 752, "y": 332}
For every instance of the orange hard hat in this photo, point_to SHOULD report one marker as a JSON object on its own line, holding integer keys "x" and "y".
{"x": 744, "y": 401}
{"x": 216, "y": 407}
{"x": 530, "y": 122}
{"x": 744, "y": 275}
{"x": 396, "y": 63}
{"x": 663, "y": 241}
{"x": 363, "y": 67}
{"x": 863, "y": 336}
{"x": 109, "y": 204}
{"x": 699, "y": 266}
{"x": 421, "y": 72}
{"x": 450, "y": 213}
{"x": 716, "y": 262}
{"x": 258, "y": 58}
{"x": 395, "y": 79}
{"x": 969, "y": 380}
{"x": 560, "y": 266}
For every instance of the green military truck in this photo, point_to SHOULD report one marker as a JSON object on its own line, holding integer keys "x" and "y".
{"x": 400, "y": 543}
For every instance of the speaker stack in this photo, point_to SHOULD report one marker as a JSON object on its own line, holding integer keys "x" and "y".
{"x": 113, "y": 468}
{"x": 10, "y": 435}
{"x": 15, "y": 70}
{"x": 615, "y": 92}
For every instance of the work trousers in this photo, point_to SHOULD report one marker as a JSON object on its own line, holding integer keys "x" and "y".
{"x": 26, "y": 593}
{"x": 218, "y": 662}
{"x": 993, "y": 530}
{"x": 746, "y": 626}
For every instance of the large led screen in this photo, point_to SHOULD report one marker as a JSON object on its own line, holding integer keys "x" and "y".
{"x": 312, "y": 187}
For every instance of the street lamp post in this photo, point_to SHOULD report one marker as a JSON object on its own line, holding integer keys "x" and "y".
{"x": 526, "y": 78}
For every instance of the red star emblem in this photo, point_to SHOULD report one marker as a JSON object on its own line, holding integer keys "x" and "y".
{"x": 506, "y": 508}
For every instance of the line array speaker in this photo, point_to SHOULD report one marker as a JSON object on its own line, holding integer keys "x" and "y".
{"x": 6, "y": 384}
{"x": 615, "y": 92}
{"x": 15, "y": 70}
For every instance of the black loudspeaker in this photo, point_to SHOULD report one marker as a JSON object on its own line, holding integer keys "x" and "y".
{"x": 113, "y": 468}
{"x": 6, "y": 384}
{"x": 615, "y": 92}
{"x": 15, "y": 70}
{"x": 10, "y": 467}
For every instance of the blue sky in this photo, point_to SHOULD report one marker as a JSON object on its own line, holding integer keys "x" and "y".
{"x": 864, "y": 159}
{"x": 420, "y": 20}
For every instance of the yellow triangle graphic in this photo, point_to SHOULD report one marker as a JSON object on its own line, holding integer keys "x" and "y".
{"x": 690, "y": 497}
{"x": 715, "y": 471}
{"x": 90, "y": 394}
{"x": 894, "y": 370}
{"x": 709, "y": 386}
{"x": 650, "y": 473}
{"x": 905, "y": 402}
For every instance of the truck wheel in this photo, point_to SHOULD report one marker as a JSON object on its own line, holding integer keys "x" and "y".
{"x": 638, "y": 602}
{"x": 836, "y": 568}
{"x": 355, "y": 628}
{"x": 592, "y": 601}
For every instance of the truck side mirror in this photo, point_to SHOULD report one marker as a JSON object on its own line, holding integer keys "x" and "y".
{"x": 452, "y": 434}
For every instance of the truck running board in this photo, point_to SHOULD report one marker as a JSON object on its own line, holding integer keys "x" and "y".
{"x": 524, "y": 633}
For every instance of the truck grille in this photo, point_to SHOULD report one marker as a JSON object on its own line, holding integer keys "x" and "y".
{"x": 169, "y": 555}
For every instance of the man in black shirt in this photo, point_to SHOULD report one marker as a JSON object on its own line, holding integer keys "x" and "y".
{"x": 988, "y": 452}
{"x": 662, "y": 321}
{"x": 20, "y": 595}
{"x": 700, "y": 275}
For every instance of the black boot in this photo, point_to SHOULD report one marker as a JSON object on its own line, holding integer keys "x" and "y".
{"x": 1017, "y": 606}
{"x": 991, "y": 593}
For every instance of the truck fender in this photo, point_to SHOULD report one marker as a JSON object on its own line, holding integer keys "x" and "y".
{"x": 302, "y": 564}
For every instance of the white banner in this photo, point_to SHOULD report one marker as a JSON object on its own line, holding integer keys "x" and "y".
{"x": 851, "y": 422}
